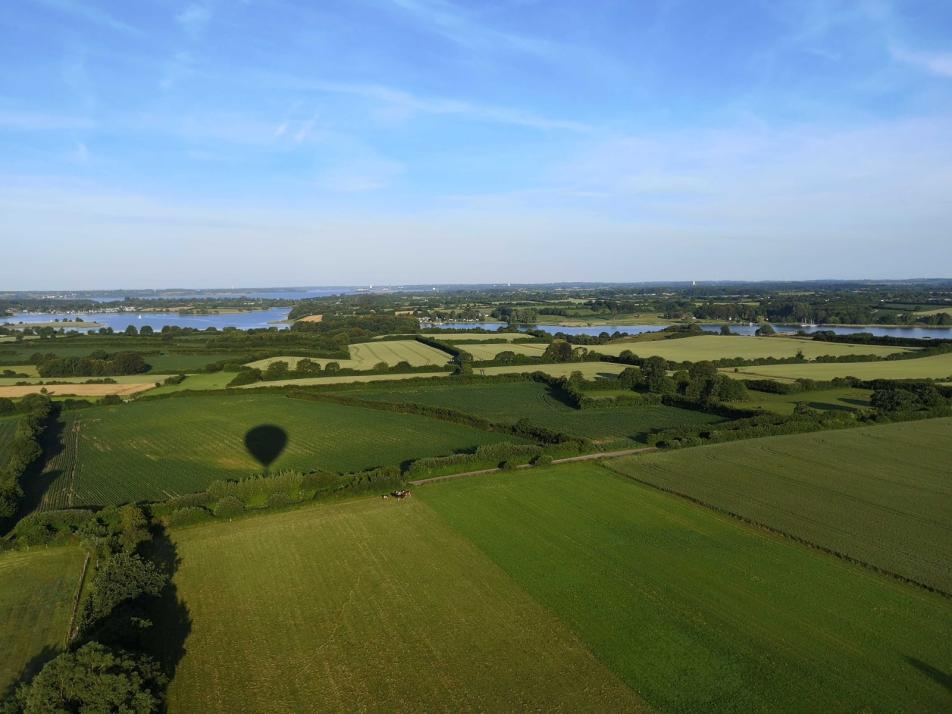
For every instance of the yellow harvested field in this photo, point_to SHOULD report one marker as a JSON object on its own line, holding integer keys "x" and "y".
{"x": 365, "y": 355}
{"x": 712, "y": 347}
{"x": 76, "y": 390}
{"x": 311, "y": 318}
{"x": 121, "y": 379}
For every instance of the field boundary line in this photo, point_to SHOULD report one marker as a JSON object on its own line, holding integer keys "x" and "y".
{"x": 788, "y": 536}
{"x": 76, "y": 599}
{"x": 597, "y": 456}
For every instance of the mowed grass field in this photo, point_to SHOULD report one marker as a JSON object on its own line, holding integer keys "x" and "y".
{"x": 488, "y": 352}
{"x": 697, "y": 612}
{"x": 202, "y": 381}
{"x": 842, "y": 399}
{"x": 509, "y": 402}
{"x": 37, "y": 589}
{"x": 371, "y": 606}
{"x": 880, "y": 494}
{"x": 365, "y": 355}
{"x": 713, "y": 347}
{"x": 156, "y": 449}
{"x": 935, "y": 367}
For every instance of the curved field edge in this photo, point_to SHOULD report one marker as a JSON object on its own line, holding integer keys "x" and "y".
{"x": 370, "y": 605}
{"x": 879, "y": 495}
{"x": 697, "y": 612}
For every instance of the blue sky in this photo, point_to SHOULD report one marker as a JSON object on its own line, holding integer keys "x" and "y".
{"x": 262, "y": 142}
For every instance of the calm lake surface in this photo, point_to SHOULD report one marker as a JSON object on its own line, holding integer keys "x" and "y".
{"x": 119, "y": 321}
{"x": 741, "y": 329}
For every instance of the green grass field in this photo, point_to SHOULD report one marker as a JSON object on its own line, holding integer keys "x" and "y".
{"x": 713, "y": 347}
{"x": 455, "y": 336}
{"x": 210, "y": 380}
{"x": 880, "y": 494}
{"x": 488, "y": 352}
{"x": 37, "y": 588}
{"x": 935, "y": 367}
{"x": 365, "y": 355}
{"x": 695, "y": 611}
{"x": 152, "y": 450}
{"x": 842, "y": 399}
{"x": 121, "y": 379}
{"x": 369, "y": 606}
{"x": 8, "y": 427}
{"x": 509, "y": 402}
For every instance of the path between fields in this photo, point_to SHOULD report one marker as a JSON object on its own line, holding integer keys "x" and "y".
{"x": 566, "y": 460}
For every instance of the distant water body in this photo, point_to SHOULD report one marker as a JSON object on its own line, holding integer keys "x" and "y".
{"x": 119, "y": 321}
{"x": 303, "y": 294}
{"x": 917, "y": 332}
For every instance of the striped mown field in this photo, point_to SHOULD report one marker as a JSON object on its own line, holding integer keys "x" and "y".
{"x": 369, "y": 605}
{"x": 37, "y": 590}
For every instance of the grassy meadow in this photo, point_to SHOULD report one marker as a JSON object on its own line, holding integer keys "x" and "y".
{"x": 37, "y": 589}
{"x": 8, "y": 427}
{"x": 934, "y": 367}
{"x": 369, "y": 606}
{"x": 880, "y": 494}
{"x": 156, "y": 449}
{"x": 713, "y": 347}
{"x": 696, "y": 612}
{"x": 509, "y": 402}
{"x": 840, "y": 399}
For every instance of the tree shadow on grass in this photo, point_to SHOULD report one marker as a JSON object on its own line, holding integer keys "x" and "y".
{"x": 936, "y": 675}
{"x": 171, "y": 622}
{"x": 30, "y": 670}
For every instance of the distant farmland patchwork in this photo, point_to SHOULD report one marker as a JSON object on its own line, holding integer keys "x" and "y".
{"x": 365, "y": 355}
{"x": 934, "y": 367}
{"x": 880, "y": 494}
{"x": 697, "y": 612}
{"x": 153, "y": 449}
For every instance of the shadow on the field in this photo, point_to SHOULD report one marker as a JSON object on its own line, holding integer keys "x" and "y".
{"x": 265, "y": 443}
{"x": 936, "y": 675}
{"x": 172, "y": 623}
{"x": 30, "y": 670}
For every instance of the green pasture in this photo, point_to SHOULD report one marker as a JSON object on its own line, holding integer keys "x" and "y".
{"x": 935, "y": 367}
{"x": 880, "y": 494}
{"x": 714, "y": 347}
{"x": 509, "y": 402}
{"x": 488, "y": 352}
{"x": 696, "y": 612}
{"x": 120, "y": 379}
{"x": 150, "y": 450}
{"x": 202, "y": 381}
{"x": 841, "y": 399}
{"x": 37, "y": 589}
{"x": 372, "y": 606}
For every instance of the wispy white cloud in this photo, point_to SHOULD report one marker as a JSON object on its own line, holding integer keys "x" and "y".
{"x": 88, "y": 12}
{"x": 38, "y": 121}
{"x": 194, "y": 18}
{"x": 937, "y": 63}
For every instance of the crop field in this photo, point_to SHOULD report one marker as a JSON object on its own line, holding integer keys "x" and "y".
{"x": 488, "y": 352}
{"x": 843, "y": 399}
{"x": 77, "y": 390}
{"x": 935, "y": 367}
{"x": 713, "y": 347}
{"x": 45, "y": 381}
{"x": 210, "y": 380}
{"x": 369, "y": 605}
{"x": 589, "y": 370}
{"x": 365, "y": 355}
{"x": 155, "y": 449}
{"x": 27, "y": 369}
{"x": 454, "y": 336}
{"x": 37, "y": 588}
{"x": 509, "y": 402}
{"x": 880, "y": 494}
{"x": 345, "y": 379}
{"x": 8, "y": 427}
{"x": 696, "y": 612}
